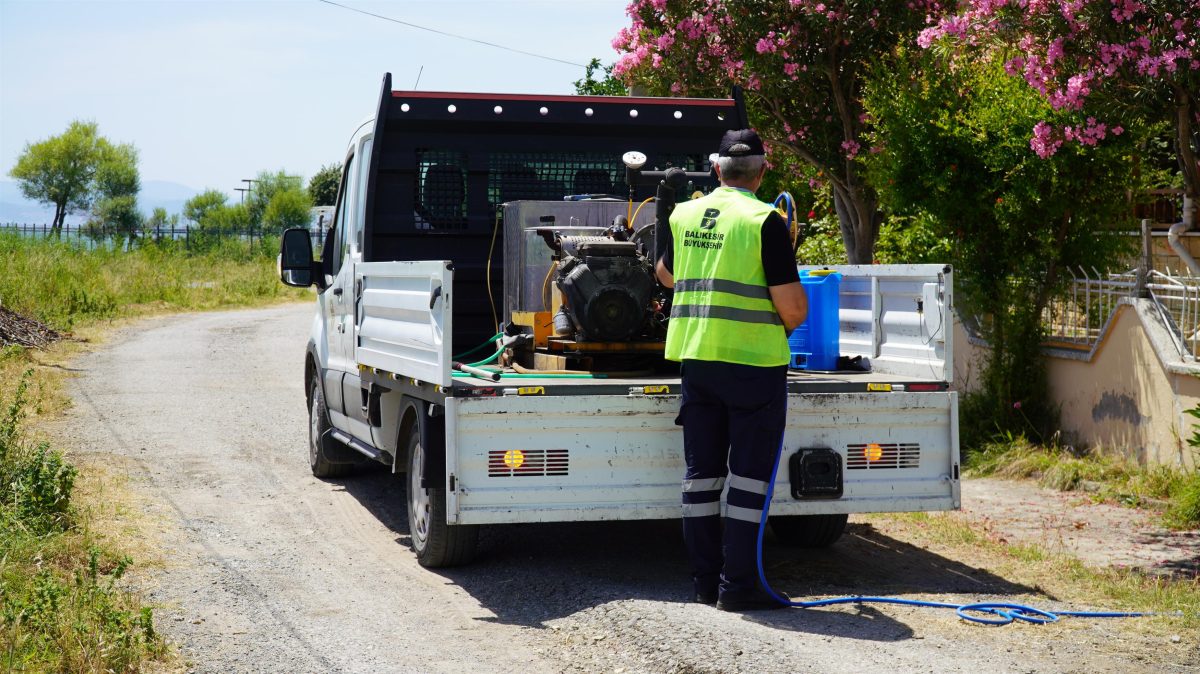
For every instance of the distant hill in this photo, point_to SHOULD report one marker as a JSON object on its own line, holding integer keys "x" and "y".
{"x": 155, "y": 194}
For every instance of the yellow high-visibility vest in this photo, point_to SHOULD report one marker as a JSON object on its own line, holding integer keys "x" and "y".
{"x": 722, "y": 309}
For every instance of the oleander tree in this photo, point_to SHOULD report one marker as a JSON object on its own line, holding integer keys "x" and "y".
{"x": 1114, "y": 64}
{"x": 802, "y": 65}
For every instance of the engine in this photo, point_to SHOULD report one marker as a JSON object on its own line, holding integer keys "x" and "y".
{"x": 608, "y": 287}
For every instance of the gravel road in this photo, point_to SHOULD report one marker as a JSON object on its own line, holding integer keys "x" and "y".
{"x": 268, "y": 569}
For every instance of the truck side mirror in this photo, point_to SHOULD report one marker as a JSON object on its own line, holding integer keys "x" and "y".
{"x": 296, "y": 267}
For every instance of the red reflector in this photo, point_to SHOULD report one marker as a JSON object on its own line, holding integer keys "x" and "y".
{"x": 924, "y": 387}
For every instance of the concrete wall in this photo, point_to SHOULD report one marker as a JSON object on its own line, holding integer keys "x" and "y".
{"x": 1127, "y": 395}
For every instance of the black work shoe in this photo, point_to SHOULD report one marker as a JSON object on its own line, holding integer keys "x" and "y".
{"x": 709, "y": 597}
{"x": 753, "y": 600}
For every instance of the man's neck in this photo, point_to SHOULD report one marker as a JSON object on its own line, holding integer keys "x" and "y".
{"x": 745, "y": 187}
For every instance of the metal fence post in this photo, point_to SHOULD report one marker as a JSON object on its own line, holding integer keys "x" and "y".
{"x": 1145, "y": 263}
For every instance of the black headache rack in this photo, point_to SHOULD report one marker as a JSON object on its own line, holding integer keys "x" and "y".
{"x": 443, "y": 163}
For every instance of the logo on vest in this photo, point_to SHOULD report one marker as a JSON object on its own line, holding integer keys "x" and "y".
{"x": 710, "y": 218}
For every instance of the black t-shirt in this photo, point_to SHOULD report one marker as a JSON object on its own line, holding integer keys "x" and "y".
{"x": 778, "y": 258}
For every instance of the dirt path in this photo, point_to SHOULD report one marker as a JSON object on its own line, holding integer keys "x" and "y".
{"x": 271, "y": 570}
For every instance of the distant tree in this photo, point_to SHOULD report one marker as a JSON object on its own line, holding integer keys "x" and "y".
{"x": 60, "y": 170}
{"x": 287, "y": 208}
{"x": 323, "y": 187}
{"x": 607, "y": 86}
{"x": 196, "y": 209}
{"x": 159, "y": 220}
{"x": 116, "y": 185}
{"x": 266, "y": 186}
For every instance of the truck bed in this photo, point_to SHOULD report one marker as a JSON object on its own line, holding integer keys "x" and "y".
{"x": 799, "y": 382}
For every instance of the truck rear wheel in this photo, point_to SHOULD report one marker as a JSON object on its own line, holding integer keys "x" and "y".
{"x": 436, "y": 543}
{"x": 321, "y": 447}
{"x": 808, "y": 531}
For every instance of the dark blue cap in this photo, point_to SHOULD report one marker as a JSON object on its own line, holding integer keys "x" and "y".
{"x": 741, "y": 143}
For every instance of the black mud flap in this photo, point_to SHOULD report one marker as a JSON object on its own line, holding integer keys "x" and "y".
{"x": 816, "y": 473}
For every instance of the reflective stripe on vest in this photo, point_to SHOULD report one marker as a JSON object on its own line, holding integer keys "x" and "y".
{"x": 722, "y": 309}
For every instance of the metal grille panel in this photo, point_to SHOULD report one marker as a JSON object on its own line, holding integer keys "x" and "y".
{"x": 441, "y": 190}
{"x": 516, "y": 176}
{"x": 880, "y": 456}
{"x": 543, "y": 462}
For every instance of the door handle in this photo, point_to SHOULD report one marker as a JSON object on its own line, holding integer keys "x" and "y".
{"x": 337, "y": 291}
{"x": 433, "y": 297}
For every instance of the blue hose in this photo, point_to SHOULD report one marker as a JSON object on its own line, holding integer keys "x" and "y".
{"x": 1001, "y": 613}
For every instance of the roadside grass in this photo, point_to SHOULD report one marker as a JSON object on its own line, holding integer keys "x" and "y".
{"x": 65, "y": 535}
{"x": 64, "y": 284}
{"x": 1175, "y": 492}
{"x": 62, "y": 607}
{"x": 1067, "y": 580}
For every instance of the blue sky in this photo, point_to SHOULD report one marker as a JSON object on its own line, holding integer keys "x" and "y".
{"x": 213, "y": 92}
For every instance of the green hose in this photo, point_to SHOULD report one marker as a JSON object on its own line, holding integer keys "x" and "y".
{"x": 489, "y": 360}
{"x": 513, "y": 375}
{"x": 487, "y": 343}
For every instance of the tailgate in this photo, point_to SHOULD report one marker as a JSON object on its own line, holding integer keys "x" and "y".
{"x": 537, "y": 458}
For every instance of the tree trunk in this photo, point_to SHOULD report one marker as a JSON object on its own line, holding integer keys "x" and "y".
{"x": 858, "y": 216}
{"x": 60, "y": 214}
{"x": 1189, "y": 163}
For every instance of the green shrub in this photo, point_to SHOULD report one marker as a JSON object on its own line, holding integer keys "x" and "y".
{"x": 35, "y": 482}
{"x": 1184, "y": 512}
{"x": 822, "y": 243}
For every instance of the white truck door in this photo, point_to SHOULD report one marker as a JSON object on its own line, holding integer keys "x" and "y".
{"x": 339, "y": 306}
{"x": 404, "y": 318}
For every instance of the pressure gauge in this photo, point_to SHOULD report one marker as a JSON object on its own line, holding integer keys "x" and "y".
{"x": 634, "y": 159}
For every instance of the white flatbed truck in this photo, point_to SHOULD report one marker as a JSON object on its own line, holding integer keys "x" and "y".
{"x": 404, "y": 283}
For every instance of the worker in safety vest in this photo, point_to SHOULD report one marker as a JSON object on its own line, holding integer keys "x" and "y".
{"x": 737, "y": 295}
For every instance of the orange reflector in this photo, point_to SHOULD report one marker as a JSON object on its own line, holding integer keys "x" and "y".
{"x": 871, "y": 452}
{"x": 514, "y": 458}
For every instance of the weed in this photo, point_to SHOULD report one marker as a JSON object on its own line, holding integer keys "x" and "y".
{"x": 1110, "y": 478}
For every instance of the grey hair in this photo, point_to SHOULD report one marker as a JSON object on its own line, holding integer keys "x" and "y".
{"x": 740, "y": 169}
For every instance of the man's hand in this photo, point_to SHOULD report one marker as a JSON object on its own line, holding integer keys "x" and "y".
{"x": 791, "y": 302}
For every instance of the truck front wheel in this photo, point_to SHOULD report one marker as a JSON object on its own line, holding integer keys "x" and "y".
{"x": 436, "y": 543}
{"x": 320, "y": 445}
{"x": 808, "y": 531}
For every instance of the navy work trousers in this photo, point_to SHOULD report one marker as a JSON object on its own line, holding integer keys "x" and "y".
{"x": 733, "y": 418}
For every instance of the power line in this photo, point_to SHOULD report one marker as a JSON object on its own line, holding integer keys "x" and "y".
{"x": 460, "y": 37}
